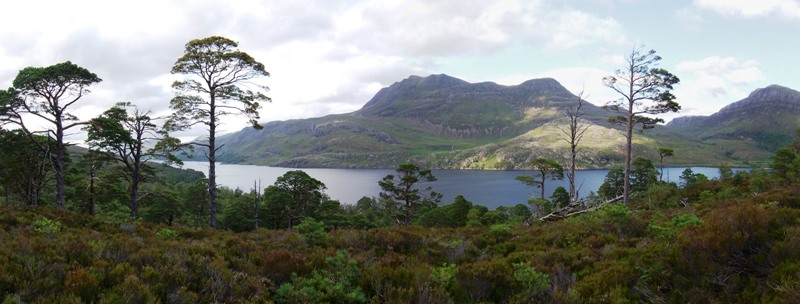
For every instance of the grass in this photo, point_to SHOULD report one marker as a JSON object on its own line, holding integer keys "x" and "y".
{"x": 352, "y": 141}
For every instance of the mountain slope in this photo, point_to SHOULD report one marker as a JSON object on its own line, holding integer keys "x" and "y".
{"x": 417, "y": 118}
{"x": 445, "y": 122}
{"x": 752, "y": 128}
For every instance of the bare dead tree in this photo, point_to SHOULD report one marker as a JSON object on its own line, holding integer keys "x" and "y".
{"x": 573, "y": 134}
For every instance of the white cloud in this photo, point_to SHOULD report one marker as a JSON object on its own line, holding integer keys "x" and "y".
{"x": 710, "y": 83}
{"x": 718, "y": 73}
{"x": 324, "y": 56}
{"x": 750, "y": 8}
{"x": 573, "y": 29}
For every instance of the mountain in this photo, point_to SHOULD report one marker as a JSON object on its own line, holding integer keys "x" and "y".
{"x": 444, "y": 122}
{"x": 752, "y": 128}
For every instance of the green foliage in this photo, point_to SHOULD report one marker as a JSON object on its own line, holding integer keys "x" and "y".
{"x": 220, "y": 82}
{"x": 613, "y": 184}
{"x": 454, "y": 214}
{"x": 294, "y": 197}
{"x": 121, "y": 132}
{"x": 546, "y": 169}
{"x": 663, "y": 152}
{"x": 615, "y": 213}
{"x": 690, "y": 179}
{"x": 313, "y": 232}
{"x": 475, "y": 216}
{"x": 46, "y": 226}
{"x": 444, "y": 276}
{"x": 540, "y": 206}
{"x": 733, "y": 246}
{"x": 671, "y": 229}
{"x": 644, "y": 88}
{"x": 402, "y": 190}
{"x": 500, "y": 231}
{"x": 662, "y": 195}
{"x": 535, "y": 284}
{"x": 223, "y": 70}
{"x": 166, "y": 234}
{"x": 560, "y": 197}
{"x": 643, "y": 174}
{"x": 725, "y": 172}
{"x": 786, "y": 165}
{"x": 47, "y": 93}
{"x": 517, "y": 214}
{"x": 335, "y": 284}
{"x": 25, "y": 167}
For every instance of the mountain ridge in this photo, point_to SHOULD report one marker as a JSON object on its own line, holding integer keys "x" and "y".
{"x": 767, "y": 117}
{"x": 444, "y": 122}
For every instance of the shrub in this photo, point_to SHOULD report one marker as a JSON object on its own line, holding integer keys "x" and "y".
{"x": 313, "y": 232}
{"x": 132, "y": 290}
{"x": 670, "y": 230}
{"x": 615, "y": 213}
{"x": 46, "y": 226}
{"x": 336, "y": 284}
{"x": 166, "y": 234}
{"x": 534, "y": 283}
{"x": 444, "y": 276}
{"x": 82, "y": 283}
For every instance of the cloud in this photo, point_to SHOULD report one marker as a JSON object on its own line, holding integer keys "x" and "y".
{"x": 576, "y": 79}
{"x": 715, "y": 81}
{"x": 452, "y": 27}
{"x": 751, "y": 9}
{"x": 717, "y": 75}
{"x": 573, "y": 29}
{"x": 324, "y": 56}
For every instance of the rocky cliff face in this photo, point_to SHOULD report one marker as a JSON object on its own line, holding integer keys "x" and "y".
{"x": 686, "y": 121}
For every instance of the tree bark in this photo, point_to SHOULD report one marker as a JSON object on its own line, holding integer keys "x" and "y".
{"x": 92, "y": 174}
{"x": 59, "y": 162}
{"x": 135, "y": 193}
{"x": 212, "y": 172}
{"x": 572, "y": 195}
{"x": 626, "y": 187}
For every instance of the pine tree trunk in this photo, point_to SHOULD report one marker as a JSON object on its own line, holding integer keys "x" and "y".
{"x": 212, "y": 172}
{"x": 626, "y": 195}
{"x": 135, "y": 193}
{"x": 91, "y": 189}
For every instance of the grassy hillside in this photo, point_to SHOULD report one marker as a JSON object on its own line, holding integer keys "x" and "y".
{"x": 444, "y": 122}
{"x": 751, "y": 129}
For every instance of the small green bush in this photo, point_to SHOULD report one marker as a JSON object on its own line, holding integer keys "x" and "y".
{"x": 47, "y": 226}
{"x": 313, "y": 232}
{"x": 535, "y": 284}
{"x": 444, "y": 276}
{"x": 166, "y": 234}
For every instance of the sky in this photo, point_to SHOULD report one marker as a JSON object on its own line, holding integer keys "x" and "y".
{"x": 329, "y": 57}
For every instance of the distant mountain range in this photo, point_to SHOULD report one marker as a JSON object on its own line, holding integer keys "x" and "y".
{"x": 444, "y": 122}
{"x": 767, "y": 119}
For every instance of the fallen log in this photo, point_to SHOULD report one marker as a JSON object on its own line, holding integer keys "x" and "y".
{"x": 576, "y": 208}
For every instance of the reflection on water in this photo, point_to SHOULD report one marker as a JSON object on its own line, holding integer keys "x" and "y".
{"x": 488, "y": 188}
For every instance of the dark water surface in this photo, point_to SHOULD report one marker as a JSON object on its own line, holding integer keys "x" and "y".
{"x": 488, "y": 188}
